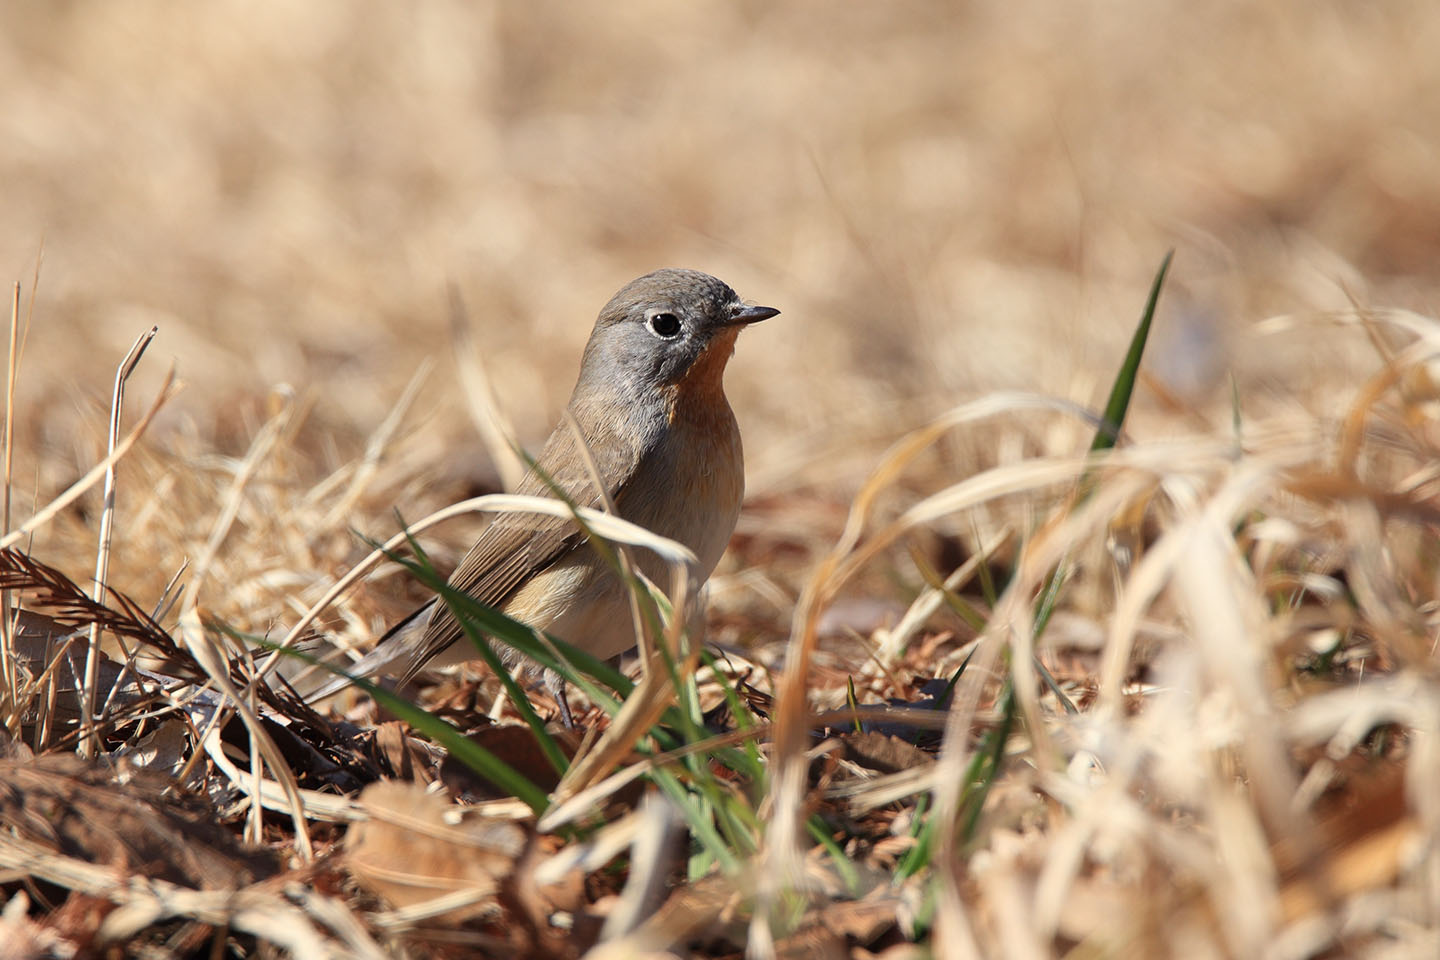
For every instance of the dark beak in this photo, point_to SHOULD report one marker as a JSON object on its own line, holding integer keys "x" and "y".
{"x": 747, "y": 315}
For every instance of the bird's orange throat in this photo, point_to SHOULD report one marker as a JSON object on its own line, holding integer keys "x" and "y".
{"x": 698, "y": 400}
{"x": 704, "y": 382}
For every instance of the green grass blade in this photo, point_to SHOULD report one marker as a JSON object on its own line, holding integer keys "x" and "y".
{"x": 986, "y": 763}
{"x": 1124, "y": 386}
{"x": 849, "y": 873}
{"x": 1108, "y": 433}
{"x": 853, "y": 702}
{"x": 518, "y": 697}
{"x": 573, "y": 662}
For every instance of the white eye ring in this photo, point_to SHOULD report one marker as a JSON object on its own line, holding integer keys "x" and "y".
{"x": 664, "y": 325}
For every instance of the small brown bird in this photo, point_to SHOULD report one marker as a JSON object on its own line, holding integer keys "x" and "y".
{"x": 650, "y": 404}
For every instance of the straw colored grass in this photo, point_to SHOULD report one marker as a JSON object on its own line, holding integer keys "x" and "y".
{"x": 958, "y": 211}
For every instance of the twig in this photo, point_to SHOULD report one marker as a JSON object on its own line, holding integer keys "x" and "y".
{"x": 261, "y": 909}
{"x": 7, "y": 635}
{"x": 89, "y": 742}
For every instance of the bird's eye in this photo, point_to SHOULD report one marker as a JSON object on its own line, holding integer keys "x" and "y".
{"x": 666, "y": 326}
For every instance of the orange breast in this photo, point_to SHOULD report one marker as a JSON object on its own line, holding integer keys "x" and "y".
{"x": 690, "y": 488}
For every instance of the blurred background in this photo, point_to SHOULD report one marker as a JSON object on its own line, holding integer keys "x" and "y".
{"x": 943, "y": 198}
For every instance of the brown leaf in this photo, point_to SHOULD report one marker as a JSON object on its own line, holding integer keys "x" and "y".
{"x": 404, "y": 756}
{"x": 883, "y": 753}
{"x": 861, "y": 921}
{"x": 515, "y": 744}
{"x": 1360, "y": 845}
{"x": 419, "y": 846}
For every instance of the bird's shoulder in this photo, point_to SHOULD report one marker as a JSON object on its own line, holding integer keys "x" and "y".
{"x": 515, "y": 546}
{"x": 580, "y": 449}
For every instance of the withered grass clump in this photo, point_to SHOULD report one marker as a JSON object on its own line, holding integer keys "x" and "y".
{"x": 1222, "y": 741}
{"x": 1212, "y": 736}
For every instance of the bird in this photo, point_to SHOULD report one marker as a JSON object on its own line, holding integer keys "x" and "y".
{"x": 651, "y": 411}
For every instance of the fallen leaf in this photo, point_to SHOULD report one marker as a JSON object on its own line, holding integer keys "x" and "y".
{"x": 418, "y": 846}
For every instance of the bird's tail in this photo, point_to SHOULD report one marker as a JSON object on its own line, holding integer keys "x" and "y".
{"x": 397, "y": 646}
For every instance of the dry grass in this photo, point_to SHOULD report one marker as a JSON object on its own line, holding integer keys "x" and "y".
{"x": 945, "y": 203}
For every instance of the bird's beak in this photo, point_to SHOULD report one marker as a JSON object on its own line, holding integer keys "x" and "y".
{"x": 748, "y": 315}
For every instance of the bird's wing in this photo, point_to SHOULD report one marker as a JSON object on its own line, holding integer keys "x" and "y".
{"x": 516, "y": 545}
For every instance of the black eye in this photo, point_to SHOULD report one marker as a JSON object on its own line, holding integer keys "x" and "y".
{"x": 665, "y": 325}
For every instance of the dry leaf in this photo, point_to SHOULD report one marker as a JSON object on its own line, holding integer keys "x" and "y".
{"x": 418, "y": 846}
{"x": 883, "y": 753}
{"x": 515, "y": 744}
